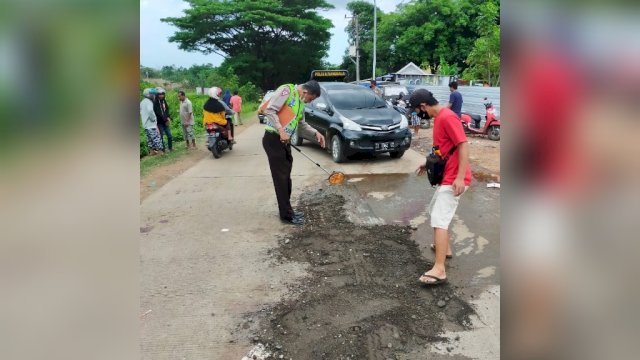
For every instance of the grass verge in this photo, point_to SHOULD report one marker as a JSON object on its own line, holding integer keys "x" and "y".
{"x": 148, "y": 163}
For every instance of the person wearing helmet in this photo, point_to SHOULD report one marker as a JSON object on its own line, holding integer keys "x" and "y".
{"x": 161, "y": 109}
{"x": 214, "y": 111}
{"x": 149, "y": 122}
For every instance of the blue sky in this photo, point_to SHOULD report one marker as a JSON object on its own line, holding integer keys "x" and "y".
{"x": 156, "y": 50}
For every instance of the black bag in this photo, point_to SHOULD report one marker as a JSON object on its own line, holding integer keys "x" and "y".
{"x": 435, "y": 165}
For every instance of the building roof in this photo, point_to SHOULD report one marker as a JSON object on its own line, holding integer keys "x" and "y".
{"x": 411, "y": 69}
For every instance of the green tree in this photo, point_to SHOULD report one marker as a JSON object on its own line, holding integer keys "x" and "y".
{"x": 148, "y": 73}
{"x": 267, "y": 42}
{"x": 436, "y": 32}
{"x": 484, "y": 59}
{"x": 364, "y": 11}
{"x": 447, "y": 69}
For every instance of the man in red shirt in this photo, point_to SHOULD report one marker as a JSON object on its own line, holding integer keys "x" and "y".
{"x": 236, "y": 103}
{"x": 447, "y": 134}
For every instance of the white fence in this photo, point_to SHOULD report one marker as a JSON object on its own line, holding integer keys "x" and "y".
{"x": 472, "y": 97}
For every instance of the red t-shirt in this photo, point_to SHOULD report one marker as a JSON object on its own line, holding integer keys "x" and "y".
{"x": 236, "y": 103}
{"x": 448, "y": 132}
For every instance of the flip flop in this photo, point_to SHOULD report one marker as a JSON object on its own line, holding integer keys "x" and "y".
{"x": 437, "y": 281}
{"x": 433, "y": 248}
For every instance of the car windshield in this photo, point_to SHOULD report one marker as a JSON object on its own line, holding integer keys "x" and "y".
{"x": 352, "y": 99}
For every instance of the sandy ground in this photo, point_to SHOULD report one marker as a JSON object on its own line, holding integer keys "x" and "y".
{"x": 484, "y": 153}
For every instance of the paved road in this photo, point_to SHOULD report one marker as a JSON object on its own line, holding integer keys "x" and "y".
{"x": 205, "y": 238}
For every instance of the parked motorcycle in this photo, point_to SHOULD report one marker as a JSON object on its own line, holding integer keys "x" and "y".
{"x": 424, "y": 123}
{"x": 475, "y": 125}
{"x": 218, "y": 139}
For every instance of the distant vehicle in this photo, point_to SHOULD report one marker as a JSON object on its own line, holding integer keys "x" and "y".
{"x": 264, "y": 99}
{"x": 489, "y": 126}
{"x": 354, "y": 120}
{"x": 412, "y": 88}
{"x": 392, "y": 91}
{"x": 218, "y": 138}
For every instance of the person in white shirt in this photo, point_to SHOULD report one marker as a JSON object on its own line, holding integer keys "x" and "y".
{"x": 150, "y": 122}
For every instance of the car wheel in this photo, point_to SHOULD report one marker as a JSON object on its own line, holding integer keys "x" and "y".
{"x": 494, "y": 133}
{"x": 337, "y": 151}
{"x": 296, "y": 139}
{"x": 396, "y": 154}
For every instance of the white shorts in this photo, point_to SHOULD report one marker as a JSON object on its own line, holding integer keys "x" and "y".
{"x": 443, "y": 206}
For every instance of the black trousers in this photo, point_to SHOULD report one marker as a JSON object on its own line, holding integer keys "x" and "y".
{"x": 280, "y": 163}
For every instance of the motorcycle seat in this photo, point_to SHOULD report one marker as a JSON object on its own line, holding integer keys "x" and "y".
{"x": 475, "y": 117}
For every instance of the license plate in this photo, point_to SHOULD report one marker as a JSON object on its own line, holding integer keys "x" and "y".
{"x": 381, "y": 146}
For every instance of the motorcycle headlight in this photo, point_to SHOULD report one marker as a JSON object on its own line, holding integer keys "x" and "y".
{"x": 404, "y": 123}
{"x": 349, "y": 124}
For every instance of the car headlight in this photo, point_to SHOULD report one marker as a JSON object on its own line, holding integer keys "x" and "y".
{"x": 404, "y": 123}
{"x": 349, "y": 124}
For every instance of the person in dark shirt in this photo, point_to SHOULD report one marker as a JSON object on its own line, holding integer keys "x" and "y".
{"x": 161, "y": 109}
{"x": 455, "y": 99}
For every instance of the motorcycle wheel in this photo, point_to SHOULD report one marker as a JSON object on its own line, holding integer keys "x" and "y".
{"x": 494, "y": 133}
{"x": 215, "y": 150}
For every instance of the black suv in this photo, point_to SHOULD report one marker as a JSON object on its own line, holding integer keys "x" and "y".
{"x": 354, "y": 120}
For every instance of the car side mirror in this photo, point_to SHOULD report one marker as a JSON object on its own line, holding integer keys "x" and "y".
{"x": 324, "y": 107}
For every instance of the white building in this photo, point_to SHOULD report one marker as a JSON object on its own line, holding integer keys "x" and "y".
{"x": 411, "y": 74}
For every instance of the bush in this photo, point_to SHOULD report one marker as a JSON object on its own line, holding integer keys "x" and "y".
{"x": 249, "y": 93}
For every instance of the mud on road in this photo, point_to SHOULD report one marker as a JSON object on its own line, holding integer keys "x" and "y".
{"x": 362, "y": 299}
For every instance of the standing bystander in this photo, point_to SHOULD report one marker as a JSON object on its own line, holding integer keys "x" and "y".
{"x": 455, "y": 99}
{"x": 150, "y": 123}
{"x": 161, "y": 109}
{"x": 236, "y": 106}
{"x": 450, "y": 140}
{"x": 186, "y": 118}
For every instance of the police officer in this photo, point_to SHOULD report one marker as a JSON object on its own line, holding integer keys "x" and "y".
{"x": 284, "y": 112}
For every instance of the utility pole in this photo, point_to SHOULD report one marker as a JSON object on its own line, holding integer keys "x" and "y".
{"x": 357, "y": 45}
{"x": 375, "y": 24}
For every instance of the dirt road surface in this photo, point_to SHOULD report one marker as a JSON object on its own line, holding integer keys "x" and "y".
{"x": 220, "y": 273}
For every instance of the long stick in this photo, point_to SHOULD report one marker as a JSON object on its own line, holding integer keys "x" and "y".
{"x": 313, "y": 161}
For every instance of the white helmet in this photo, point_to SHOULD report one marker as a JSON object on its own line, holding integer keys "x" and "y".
{"x": 214, "y": 92}
{"x": 160, "y": 90}
{"x": 149, "y": 93}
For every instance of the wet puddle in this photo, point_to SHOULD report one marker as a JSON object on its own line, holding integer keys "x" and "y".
{"x": 388, "y": 199}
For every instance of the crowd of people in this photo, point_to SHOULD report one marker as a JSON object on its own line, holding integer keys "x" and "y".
{"x": 156, "y": 118}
